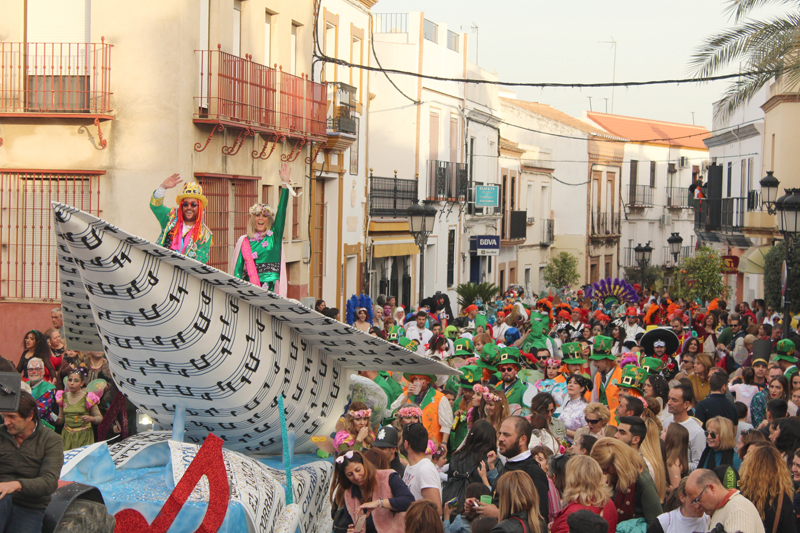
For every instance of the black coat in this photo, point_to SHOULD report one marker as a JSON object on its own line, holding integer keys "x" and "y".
{"x": 539, "y": 478}
{"x": 716, "y": 404}
{"x": 787, "y": 522}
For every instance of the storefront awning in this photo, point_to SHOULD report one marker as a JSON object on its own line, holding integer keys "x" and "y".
{"x": 393, "y": 246}
{"x": 752, "y": 260}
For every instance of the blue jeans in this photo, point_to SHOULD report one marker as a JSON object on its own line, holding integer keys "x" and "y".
{"x": 18, "y": 519}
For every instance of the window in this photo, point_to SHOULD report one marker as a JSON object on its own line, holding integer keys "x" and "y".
{"x": 268, "y": 39}
{"x": 634, "y": 171}
{"x": 237, "y": 27}
{"x": 529, "y": 200}
{"x": 452, "y": 41}
{"x": 357, "y": 57}
{"x": 28, "y": 264}
{"x": 228, "y": 211}
{"x": 730, "y": 178}
{"x": 293, "y": 50}
{"x": 434, "y": 136}
{"x": 652, "y": 173}
{"x": 453, "y": 139}
{"x": 354, "y": 151}
{"x": 296, "y": 212}
{"x": 451, "y": 259}
{"x": 266, "y": 194}
{"x": 431, "y": 31}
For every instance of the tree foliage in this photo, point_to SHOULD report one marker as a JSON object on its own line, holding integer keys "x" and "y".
{"x": 561, "y": 271}
{"x": 763, "y": 48}
{"x": 773, "y": 262}
{"x": 633, "y": 275}
{"x": 469, "y": 293}
{"x": 700, "y": 277}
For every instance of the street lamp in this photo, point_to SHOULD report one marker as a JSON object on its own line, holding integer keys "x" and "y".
{"x": 769, "y": 191}
{"x": 675, "y": 240}
{"x": 420, "y": 222}
{"x": 788, "y": 209}
{"x": 642, "y": 254}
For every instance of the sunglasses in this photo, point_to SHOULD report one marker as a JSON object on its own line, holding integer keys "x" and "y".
{"x": 592, "y": 422}
{"x": 712, "y": 434}
{"x": 189, "y": 204}
{"x": 506, "y": 368}
{"x": 542, "y": 358}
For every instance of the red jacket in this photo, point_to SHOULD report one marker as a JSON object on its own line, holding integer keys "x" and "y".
{"x": 609, "y": 512}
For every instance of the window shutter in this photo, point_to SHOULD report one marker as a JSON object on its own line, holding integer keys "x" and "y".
{"x": 652, "y": 173}
{"x": 59, "y": 21}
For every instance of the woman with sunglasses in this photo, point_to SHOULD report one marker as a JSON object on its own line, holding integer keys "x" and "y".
{"x": 182, "y": 228}
{"x": 720, "y": 444}
{"x": 544, "y": 404}
{"x": 767, "y": 482}
{"x": 361, "y": 489}
{"x": 778, "y": 388}
{"x": 572, "y": 412}
{"x": 597, "y": 417}
{"x": 258, "y": 254}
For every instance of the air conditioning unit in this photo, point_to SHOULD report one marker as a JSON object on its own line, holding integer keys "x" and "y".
{"x": 684, "y": 162}
{"x": 666, "y": 219}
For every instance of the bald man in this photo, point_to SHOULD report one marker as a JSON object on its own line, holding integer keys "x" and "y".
{"x": 725, "y": 506}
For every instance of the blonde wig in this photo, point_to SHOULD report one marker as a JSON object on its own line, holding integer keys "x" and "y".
{"x": 516, "y": 493}
{"x": 599, "y": 410}
{"x": 584, "y": 482}
{"x": 765, "y": 477}
{"x": 628, "y": 464}
{"x": 724, "y": 428}
{"x": 251, "y": 222}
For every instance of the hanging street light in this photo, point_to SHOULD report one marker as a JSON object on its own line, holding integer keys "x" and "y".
{"x": 675, "y": 240}
{"x": 769, "y": 192}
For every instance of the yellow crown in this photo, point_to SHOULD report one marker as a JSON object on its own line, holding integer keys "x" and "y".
{"x": 192, "y": 190}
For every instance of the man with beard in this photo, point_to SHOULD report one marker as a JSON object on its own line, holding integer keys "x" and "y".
{"x": 511, "y": 385}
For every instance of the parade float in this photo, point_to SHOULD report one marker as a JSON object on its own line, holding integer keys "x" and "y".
{"x": 241, "y": 383}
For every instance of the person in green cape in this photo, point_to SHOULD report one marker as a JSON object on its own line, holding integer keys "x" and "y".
{"x": 470, "y": 376}
{"x": 259, "y": 254}
{"x": 385, "y": 381}
{"x": 513, "y": 387}
{"x": 182, "y": 228}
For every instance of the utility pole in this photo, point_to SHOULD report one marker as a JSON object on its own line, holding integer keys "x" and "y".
{"x": 614, "y": 71}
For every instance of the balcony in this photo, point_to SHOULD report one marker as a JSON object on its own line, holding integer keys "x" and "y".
{"x": 722, "y": 215}
{"x": 514, "y": 228}
{"x": 604, "y": 224}
{"x": 679, "y": 198}
{"x": 240, "y": 93}
{"x": 391, "y": 22}
{"x": 391, "y": 197}
{"x": 547, "y": 232}
{"x": 447, "y": 182}
{"x": 669, "y": 260}
{"x": 62, "y": 80}
{"x": 640, "y": 196}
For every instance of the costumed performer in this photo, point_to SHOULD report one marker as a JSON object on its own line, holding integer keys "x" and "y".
{"x": 356, "y": 433}
{"x": 608, "y": 377}
{"x": 78, "y": 411}
{"x": 259, "y": 254}
{"x": 182, "y": 228}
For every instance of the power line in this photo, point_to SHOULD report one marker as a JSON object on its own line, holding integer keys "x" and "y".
{"x": 544, "y": 161}
{"x": 749, "y": 74}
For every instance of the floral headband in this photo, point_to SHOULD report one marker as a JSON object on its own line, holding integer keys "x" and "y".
{"x": 363, "y": 413}
{"x": 486, "y": 393}
{"x": 262, "y": 209}
{"x": 410, "y": 411}
{"x": 553, "y": 362}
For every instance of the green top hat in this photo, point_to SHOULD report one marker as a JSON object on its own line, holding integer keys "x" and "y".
{"x": 395, "y": 332}
{"x": 470, "y": 375}
{"x": 463, "y": 346}
{"x": 785, "y": 351}
{"x": 408, "y": 344}
{"x": 632, "y": 378}
{"x": 509, "y": 356}
{"x": 480, "y": 320}
{"x": 652, "y": 365}
{"x": 489, "y": 357}
{"x": 572, "y": 353}
{"x": 408, "y": 375}
{"x": 602, "y": 345}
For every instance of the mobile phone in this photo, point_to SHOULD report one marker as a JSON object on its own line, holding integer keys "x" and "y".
{"x": 360, "y": 524}
{"x": 453, "y": 502}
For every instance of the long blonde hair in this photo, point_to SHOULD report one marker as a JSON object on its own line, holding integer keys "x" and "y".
{"x": 628, "y": 464}
{"x": 650, "y": 449}
{"x": 584, "y": 483}
{"x": 516, "y": 493}
{"x": 501, "y": 409}
{"x": 769, "y": 480}
{"x": 350, "y": 426}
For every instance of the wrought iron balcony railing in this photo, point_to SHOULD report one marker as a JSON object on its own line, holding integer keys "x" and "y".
{"x": 391, "y": 197}
{"x": 447, "y": 181}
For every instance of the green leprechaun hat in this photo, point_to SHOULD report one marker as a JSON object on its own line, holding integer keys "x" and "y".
{"x": 601, "y": 349}
{"x": 395, "y": 332}
{"x": 785, "y": 351}
{"x": 652, "y": 365}
{"x": 409, "y": 375}
{"x": 632, "y": 378}
{"x": 489, "y": 357}
{"x": 463, "y": 347}
{"x": 480, "y": 320}
{"x": 509, "y": 356}
{"x": 470, "y": 375}
{"x": 409, "y": 344}
{"x": 572, "y": 353}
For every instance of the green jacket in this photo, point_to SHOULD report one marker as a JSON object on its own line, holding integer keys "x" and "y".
{"x": 268, "y": 248}
{"x": 392, "y": 388}
{"x": 515, "y": 393}
{"x": 36, "y": 464}
{"x": 168, "y": 218}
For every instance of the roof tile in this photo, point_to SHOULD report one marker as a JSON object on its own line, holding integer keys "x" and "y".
{"x": 652, "y": 131}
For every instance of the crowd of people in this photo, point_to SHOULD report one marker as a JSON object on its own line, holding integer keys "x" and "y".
{"x": 655, "y": 416}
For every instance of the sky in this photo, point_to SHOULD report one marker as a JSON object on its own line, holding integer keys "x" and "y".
{"x": 561, "y": 41}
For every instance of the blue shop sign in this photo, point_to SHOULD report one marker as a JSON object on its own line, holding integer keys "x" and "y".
{"x": 487, "y": 196}
{"x": 483, "y": 245}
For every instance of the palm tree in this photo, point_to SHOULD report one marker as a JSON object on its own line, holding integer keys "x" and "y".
{"x": 763, "y": 49}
